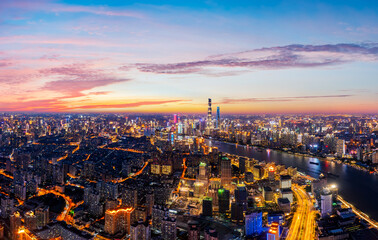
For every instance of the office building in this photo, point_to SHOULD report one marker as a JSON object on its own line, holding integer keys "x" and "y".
{"x": 326, "y": 202}
{"x": 253, "y": 223}
{"x": 218, "y": 118}
{"x": 285, "y": 181}
{"x": 223, "y": 200}
{"x": 226, "y": 176}
{"x": 207, "y": 207}
{"x": 209, "y": 122}
{"x": 237, "y": 210}
{"x": 258, "y": 172}
{"x": 274, "y": 232}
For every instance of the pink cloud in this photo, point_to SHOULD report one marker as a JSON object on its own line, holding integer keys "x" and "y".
{"x": 76, "y": 78}
{"x": 5, "y": 63}
{"x": 57, "y": 105}
{"x": 291, "y": 56}
{"x": 130, "y": 105}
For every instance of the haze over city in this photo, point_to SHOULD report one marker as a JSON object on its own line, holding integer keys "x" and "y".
{"x": 170, "y": 56}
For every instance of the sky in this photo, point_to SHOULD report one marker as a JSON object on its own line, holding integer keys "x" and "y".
{"x": 249, "y": 57}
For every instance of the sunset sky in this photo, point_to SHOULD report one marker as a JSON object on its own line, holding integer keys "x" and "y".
{"x": 170, "y": 56}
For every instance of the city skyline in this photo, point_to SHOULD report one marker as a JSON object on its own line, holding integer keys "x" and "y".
{"x": 169, "y": 57}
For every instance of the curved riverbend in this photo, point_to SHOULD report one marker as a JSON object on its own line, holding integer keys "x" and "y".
{"x": 356, "y": 186}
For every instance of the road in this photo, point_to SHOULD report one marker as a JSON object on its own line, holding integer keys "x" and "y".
{"x": 303, "y": 223}
{"x": 358, "y": 212}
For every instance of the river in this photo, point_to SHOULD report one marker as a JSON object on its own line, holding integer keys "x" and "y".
{"x": 356, "y": 186}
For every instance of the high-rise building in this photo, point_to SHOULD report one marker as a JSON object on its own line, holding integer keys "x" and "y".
{"x": 226, "y": 176}
{"x": 224, "y": 200}
{"x": 140, "y": 231}
{"x": 274, "y": 232}
{"x": 30, "y": 220}
{"x": 118, "y": 220}
{"x": 285, "y": 181}
{"x": 168, "y": 228}
{"x": 242, "y": 164}
{"x": 211, "y": 234}
{"x": 268, "y": 194}
{"x": 326, "y": 202}
{"x": 7, "y": 206}
{"x": 218, "y": 118}
{"x": 258, "y": 172}
{"x": 241, "y": 195}
{"x": 15, "y": 224}
{"x": 174, "y": 118}
{"x": 130, "y": 197}
{"x": 207, "y": 207}
{"x": 340, "y": 148}
{"x": 209, "y": 122}
{"x": 237, "y": 210}
{"x": 253, "y": 223}
{"x": 194, "y": 230}
{"x": 202, "y": 171}
{"x": 42, "y": 214}
{"x": 158, "y": 213}
{"x": 1, "y": 231}
{"x": 149, "y": 202}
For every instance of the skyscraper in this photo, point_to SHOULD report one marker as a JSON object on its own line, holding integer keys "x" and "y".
{"x": 175, "y": 118}
{"x": 118, "y": 220}
{"x": 130, "y": 197}
{"x": 15, "y": 224}
{"x": 224, "y": 200}
{"x": 194, "y": 230}
{"x": 209, "y": 115}
{"x": 274, "y": 232}
{"x": 326, "y": 202}
{"x": 30, "y": 220}
{"x": 42, "y": 214}
{"x": 207, "y": 207}
{"x": 253, "y": 223}
{"x": 158, "y": 213}
{"x": 226, "y": 172}
{"x": 140, "y": 231}
{"x": 168, "y": 228}
{"x": 218, "y": 118}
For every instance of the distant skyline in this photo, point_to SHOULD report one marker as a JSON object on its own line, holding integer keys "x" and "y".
{"x": 250, "y": 57}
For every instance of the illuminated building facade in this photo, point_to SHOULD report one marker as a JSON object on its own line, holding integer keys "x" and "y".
{"x": 326, "y": 202}
{"x": 226, "y": 176}
{"x": 274, "y": 232}
{"x": 253, "y": 223}
{"x": 224, "y": 200}
{"x": 118, "y": 220}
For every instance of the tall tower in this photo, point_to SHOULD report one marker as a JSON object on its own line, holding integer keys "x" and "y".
{"x": 226, "y": 176}
{"x": 209, "y": 113}
{"x": 218, "y": 117}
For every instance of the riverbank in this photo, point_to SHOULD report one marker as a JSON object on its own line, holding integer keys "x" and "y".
{"x": 353, "y": 163}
